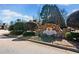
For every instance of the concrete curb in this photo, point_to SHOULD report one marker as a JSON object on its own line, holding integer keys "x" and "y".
{"x": 73, "y": 50}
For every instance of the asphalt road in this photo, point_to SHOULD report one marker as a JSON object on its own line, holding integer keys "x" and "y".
{"x": 7, "y": 46}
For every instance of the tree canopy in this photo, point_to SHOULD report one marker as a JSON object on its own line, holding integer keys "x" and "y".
{"x": 73, "y": 20}
{"x": 52, "y": 14}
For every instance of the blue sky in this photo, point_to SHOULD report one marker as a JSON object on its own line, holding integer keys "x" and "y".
{"x": 29, "y": 9}
{"x": 10, "y": 12}
{"x": 69, "y": 7}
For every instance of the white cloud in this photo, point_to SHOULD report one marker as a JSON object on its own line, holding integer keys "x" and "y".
{"x": 75, "y": 10}
{"x": 66, "y": 4}
{"x": 8, "y": 15}
{"x": 72, "y": 12}
{"x": 28, "y": 17}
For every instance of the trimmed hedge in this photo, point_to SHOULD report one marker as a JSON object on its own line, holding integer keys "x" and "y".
{"x": 16, "y": 32}
{"x": 28, "y": 33}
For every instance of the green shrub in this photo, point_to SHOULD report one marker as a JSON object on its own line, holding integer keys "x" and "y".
{"x": 11, "y": 27}
{"x": 31, "y": 26}
{"x": 16, "y": 32}
{"x": 19, "y": 26}
{"x": 68, "y": 36}
{"x": 72, "y": 36}
{"x": 28, "y": 33}
{"x": 46, "y": 38}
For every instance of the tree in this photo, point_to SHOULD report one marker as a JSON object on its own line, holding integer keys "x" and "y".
{"x": 63, "y": 13}
{"x": 11, "y": 23}
{"x": 18, "y": 28}
{"x": 11, "y": 27}
{"x": 18, "y": 20}
{"x": 73, "y": 20}
{"x": 45, "y": 13}
{"x": 52, "y": 14}
{"x": 31, "y": 26}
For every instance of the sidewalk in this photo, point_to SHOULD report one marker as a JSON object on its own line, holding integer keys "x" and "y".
{"x": 64, "y": 45}
{"x": 59, "y": 44}
{"x": 4, "y": 32}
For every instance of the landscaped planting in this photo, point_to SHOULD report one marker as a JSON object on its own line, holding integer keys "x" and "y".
{"x": 72, "y": 36}
{"x": 16, "y": 32}
{"x": 28, "y": 34}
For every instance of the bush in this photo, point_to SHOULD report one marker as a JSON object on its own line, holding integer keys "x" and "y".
{"x": 68, "y": 36}
{"x": 16, "y": 32}
{"x": 19, "y": 26}
{"x": 11, "y": 27}
{"x": 31, "y": 26}
{"x": 28, "y": 33}
{"x": 46, "y": 38}
{"x": 72, "y": 36}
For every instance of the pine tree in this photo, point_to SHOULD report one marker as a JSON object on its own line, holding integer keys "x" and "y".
{"x": 52, "y": 14}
